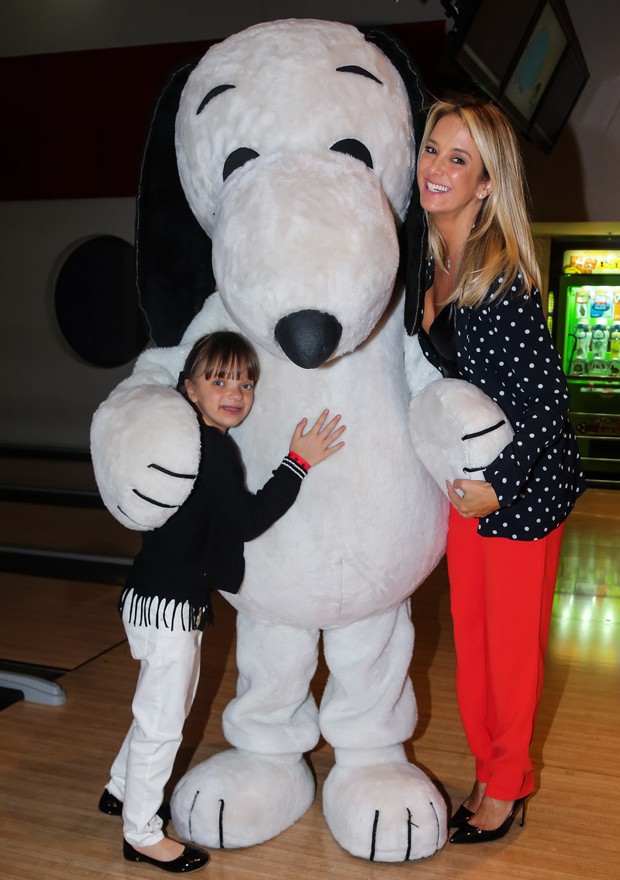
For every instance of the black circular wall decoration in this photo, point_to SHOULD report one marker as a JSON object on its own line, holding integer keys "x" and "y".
{"x": 96, "y": 302}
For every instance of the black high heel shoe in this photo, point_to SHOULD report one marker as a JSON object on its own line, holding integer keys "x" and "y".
{"x": 460, "y": 817}
{"x": 191, "y": 859}
{"x": 468, "y": 834}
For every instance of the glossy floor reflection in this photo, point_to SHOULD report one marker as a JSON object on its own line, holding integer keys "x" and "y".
{"x": 54, "y": 760}
{"x": 590, "y": 562}
{"x": 586, "y": 611}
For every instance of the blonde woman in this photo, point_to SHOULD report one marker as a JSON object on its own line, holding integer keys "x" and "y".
{"x": 483, "y": 322}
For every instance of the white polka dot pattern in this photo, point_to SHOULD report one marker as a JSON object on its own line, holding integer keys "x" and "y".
{"x": 504, "y": 347}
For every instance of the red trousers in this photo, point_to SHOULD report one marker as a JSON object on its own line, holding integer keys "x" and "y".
{"x": 501, "y": 595}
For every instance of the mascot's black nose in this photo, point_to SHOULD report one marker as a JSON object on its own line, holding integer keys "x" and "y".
{"x": 308, "y": 337}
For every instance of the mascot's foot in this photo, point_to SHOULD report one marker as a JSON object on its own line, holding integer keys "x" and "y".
{"x": 385, "y": 812}
{"x": 238, "y": 799}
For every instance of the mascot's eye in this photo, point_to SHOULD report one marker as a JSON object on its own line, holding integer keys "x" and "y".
{"x": 353, "y": 148}
{"x": 236, "y": 159}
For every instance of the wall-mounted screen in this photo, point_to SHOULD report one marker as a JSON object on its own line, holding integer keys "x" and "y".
{"x": 480, "y": 50}
{"x": 535, "y": 65}
{"x": 526, "y": 57}
{"x": 569, "y": 78}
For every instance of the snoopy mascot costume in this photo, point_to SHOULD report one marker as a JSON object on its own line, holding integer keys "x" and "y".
{"x": 277, "y": 199}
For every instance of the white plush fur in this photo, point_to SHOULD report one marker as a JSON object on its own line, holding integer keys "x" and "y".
{"x": 457, "y": 430}
{"x": 301, "y": 227}
{"x": 223, "y": 798}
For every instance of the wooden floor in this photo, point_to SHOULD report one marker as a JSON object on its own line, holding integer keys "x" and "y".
{"x": 54, "y": 760}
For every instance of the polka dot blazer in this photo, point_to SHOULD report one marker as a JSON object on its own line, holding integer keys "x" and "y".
{"x": 504, "y": 347}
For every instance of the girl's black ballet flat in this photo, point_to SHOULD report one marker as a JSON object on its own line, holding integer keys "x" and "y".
{"x": 111, "y": 806}
{"x": 191, "y": 859}
{"x": 468, "y": 834}
{"x": 461, "y": 816}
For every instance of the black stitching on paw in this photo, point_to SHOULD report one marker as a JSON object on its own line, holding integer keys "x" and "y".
{"x": 409, "y": 824}
{"x": 438, "y": 826}
{"x": 190, "y": 813}
{"x": 152, "y": 500}
{"x": 221, "y": 824}
{"x": 484, "y": 431}
{"x": 118, "y": 507}
{"x": 158, "y": 467}
{"x": 375, "y": 825}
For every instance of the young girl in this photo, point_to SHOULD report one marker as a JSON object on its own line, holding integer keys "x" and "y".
{"x": 165, "y": 603}
{"x": 483, "y": 322}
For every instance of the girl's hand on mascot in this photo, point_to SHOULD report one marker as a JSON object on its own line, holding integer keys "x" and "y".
{"x": 472, "y": 497}
{"x": 320, "y": 441}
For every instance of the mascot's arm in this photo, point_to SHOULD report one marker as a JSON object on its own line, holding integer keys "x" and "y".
{"x": 455, "y": 428}
{"x": 145, "y": 443}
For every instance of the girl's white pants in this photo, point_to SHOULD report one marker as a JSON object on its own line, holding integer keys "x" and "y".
{"x": 167, "y": 682}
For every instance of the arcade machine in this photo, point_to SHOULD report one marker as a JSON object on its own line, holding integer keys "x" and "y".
{"x": 584, "y": 318}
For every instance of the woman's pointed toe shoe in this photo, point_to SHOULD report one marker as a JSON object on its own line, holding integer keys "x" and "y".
{"x": 461, "y": 816}
{"x": 467, "y": 833}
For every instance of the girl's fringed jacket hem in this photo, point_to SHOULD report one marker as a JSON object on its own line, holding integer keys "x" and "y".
{"x": 162, "y": 612}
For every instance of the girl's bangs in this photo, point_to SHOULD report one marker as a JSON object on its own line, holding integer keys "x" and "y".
{"x": 232, "y": 367}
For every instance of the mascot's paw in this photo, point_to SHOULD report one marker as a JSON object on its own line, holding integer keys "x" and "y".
{"x": 457, "y": 431}
{"x": 145, "y": 445}
{"x": 238, "y": 799}
{"x": 385, "y": 812}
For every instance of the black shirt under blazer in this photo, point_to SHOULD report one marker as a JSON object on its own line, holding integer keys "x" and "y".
{"x": 505, "y": 348}
{"x": 200, "y": 548}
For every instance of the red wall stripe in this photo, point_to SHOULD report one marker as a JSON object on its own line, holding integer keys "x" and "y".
{"x": 74, "y": 124}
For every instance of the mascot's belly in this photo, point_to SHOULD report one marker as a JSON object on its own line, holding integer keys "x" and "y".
{"x": 369, "y": 523}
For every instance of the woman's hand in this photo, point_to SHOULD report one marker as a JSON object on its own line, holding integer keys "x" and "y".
{"x": 472, "y": 497}
{"x": 320, "y": 441}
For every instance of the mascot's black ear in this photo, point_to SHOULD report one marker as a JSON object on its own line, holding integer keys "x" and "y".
{"x": 414, "y": 233}
{"x": 173, "y": 252}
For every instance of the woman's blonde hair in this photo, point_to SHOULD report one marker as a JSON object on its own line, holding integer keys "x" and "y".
{"x": 500, "y": 243}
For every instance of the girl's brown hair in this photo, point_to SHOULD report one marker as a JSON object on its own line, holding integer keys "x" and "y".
{"x": 223, "y": 354}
